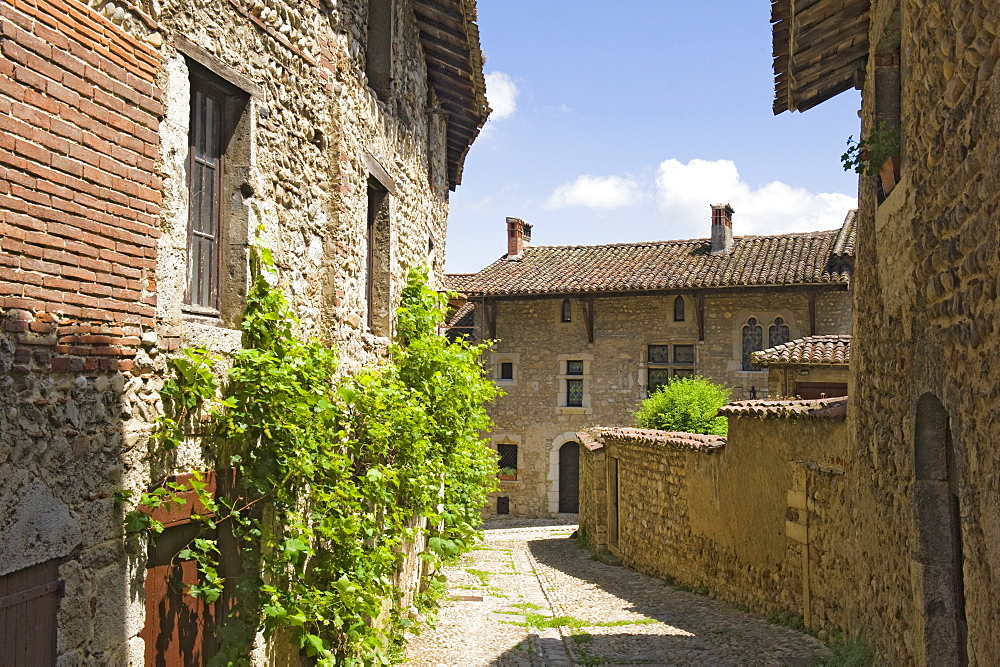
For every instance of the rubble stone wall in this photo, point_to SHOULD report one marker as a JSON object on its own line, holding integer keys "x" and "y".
{"x": 94, "y": 119}
{"x": 532, "y": 336}
{"x": 746, "y": 522}
{"x": 927, "y": 322}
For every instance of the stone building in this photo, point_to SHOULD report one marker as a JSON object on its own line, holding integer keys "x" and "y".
{"x": 585, "y": 332}
{"x": 810, "y": 367}
{"x": 923, "y": 544}
{"x": 142, "y": 145}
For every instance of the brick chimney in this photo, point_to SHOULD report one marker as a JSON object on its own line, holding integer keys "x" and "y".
{"x": 722, "y": 229}
{"x": 518, "y": 236}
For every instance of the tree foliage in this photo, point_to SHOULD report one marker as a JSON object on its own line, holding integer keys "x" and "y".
{"x": 337, "y": 475}
{"x": 685, "y": 404}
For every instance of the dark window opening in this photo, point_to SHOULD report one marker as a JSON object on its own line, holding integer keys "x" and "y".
{"x": 507, "y": 457}
{"x": 683, "y": 354}
{"x": 656, "y": 378}
{"x": 778, "y": 333}
{"x": 574, "y": 393}
{"x": 665, "y": 362}
{"x": 679, "y": 309}
{"x": 567, "y": 310}
{"x": 378, "y": 51}
{"x": 506, "y": 370}
{"x": 503, "y": 505}
{"x": 574, "y": 367}
{"x": 753, "y": 340}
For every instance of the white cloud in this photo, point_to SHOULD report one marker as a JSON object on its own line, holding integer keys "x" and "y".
{"x": 605, "y": 192}
{"x": 502, "y": 92}
{"x": 684, "y": 192}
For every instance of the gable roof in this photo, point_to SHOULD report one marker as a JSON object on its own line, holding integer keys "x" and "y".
{"x": 820, "y": 48}
{"x": 788, "y": 259}
{"x": 450, "y": 39}
{"x": 808, "y": 351}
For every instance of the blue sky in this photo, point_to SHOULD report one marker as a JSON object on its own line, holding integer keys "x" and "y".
{"x": 619, "y": 121}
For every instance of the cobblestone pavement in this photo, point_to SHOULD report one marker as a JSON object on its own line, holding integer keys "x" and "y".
{"x": 528, "y": 595}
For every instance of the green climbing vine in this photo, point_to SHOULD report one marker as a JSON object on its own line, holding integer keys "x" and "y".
{"x": 336, "y": 475}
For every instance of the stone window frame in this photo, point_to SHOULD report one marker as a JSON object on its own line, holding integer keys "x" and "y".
{"x": 498, "y": 439}
{"x": 498, "y": 358}
{"x": 671, "y": 366}
{"x": 563, "y": 377}
{"x": 379, "y": 258}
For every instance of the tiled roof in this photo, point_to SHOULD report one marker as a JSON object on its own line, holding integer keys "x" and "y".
{"x": 595, "y": 438}
{"x": 787, "y": 259}
{"x": 830, "y": 408}
{"x": 808, "y": 351}
{"x": 458, "y": 282}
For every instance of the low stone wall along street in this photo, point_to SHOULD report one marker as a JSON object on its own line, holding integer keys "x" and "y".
{"x": 752, "y": 518}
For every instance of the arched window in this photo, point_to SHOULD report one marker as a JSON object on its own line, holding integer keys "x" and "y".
{"x": 753, "y": 340}
{"x": 778, "y": 333}
{"x": 567, "y": 310}
{"x": 679, "y": 309}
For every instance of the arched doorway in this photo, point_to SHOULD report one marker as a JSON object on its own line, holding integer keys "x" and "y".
{"x": 569, "y": 478}
{"x": 941, "y": 599}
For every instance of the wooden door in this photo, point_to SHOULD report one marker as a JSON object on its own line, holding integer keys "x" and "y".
{"x": 569, "y": 478}
{"x": 29, "y": 604}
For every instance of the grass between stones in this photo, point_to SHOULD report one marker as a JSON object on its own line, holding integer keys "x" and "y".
{"x": 483, "y": 575}
{"x": 538, "y": 621}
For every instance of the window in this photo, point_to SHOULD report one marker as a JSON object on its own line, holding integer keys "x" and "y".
{"x": 778, "y": 333}
{"x": 574, "y": 393}
{"x": 567, "y": 310}
{"x": 204, "y": 171}
{"x": 753, "y": 340}
{"x": 667, "y": 361}
{"x": 506, "y": 370}
{"x": 378, "y": 51}
{"x": 508, "y": 457}
{"x": 218, "y": 153}
{"x": 574, "y": 387}
{"x": 377, "y": 272}
{"x": 679, "y": 309}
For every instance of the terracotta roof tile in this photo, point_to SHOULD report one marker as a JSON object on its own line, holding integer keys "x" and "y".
{"x": 595, "y": 438}
{"x": 458, "y": 282}
{"x": 808, "y": 351}
{"x": 830, "y": 408}
{"x": 787, "y": 259}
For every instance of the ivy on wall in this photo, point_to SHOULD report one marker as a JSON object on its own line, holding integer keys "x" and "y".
{"x": 335, "y": 475}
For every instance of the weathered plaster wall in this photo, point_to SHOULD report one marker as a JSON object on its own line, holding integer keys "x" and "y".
{"x": 781, "y": 379}
{"x": 533, "y": 337}
{"x": 739, "y": 521}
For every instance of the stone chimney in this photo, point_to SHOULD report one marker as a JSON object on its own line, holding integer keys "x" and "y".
{"x": 518, "y": 236}
{"x": 722, "y": 229}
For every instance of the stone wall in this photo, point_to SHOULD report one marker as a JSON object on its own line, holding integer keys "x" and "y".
{"x": 532, "y": 413}
{"x": 746, "y": 519}
{"x": 926, "y": 331}
{"x": 95, "y": 112}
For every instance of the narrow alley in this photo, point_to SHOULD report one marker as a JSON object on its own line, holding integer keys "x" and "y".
{"x": 530, "y": 595}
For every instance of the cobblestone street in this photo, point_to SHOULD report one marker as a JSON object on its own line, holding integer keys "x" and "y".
{"x": 529, "y": 595}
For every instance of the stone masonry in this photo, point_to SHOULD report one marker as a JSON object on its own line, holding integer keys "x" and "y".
{"x": 95, "y": 216}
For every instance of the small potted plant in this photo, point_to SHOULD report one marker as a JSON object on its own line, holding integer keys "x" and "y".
{"x": 877, "y": 153}
{"x": 508, "y": 474}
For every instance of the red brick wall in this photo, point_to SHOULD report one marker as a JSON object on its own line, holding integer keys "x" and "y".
{"x": 79, "y": 192}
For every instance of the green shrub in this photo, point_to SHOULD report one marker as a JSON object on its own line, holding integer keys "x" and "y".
{"x": 685, "y": 404}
